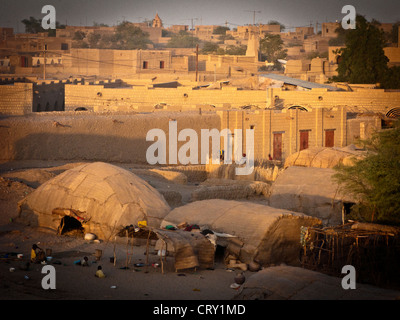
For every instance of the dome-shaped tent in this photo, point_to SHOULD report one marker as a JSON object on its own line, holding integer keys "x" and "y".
{"x": 264, "y": 234}
{"x": 103, "y": 197}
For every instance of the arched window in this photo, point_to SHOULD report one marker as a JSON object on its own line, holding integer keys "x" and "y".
{"x": 298, "y": 107}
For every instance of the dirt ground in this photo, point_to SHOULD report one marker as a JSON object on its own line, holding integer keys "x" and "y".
{"x": 77, "y": 282}
{"x": 126, "y": 280}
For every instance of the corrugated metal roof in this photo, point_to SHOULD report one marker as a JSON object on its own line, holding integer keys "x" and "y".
{"x": 299, "y": 83}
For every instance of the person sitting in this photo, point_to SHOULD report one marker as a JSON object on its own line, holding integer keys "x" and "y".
{"x": 37, "y": 254}
{"x": 85, "y": 262}
{"x": 99, "y": 273}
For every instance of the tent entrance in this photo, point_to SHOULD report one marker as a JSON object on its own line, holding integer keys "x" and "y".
{"x": 70, "y": 226}
{"x": 220, "y": 253}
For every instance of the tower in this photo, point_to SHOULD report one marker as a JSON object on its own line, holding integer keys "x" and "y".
{"x": 253, "y": 46}
{"x": 157, "y": 22}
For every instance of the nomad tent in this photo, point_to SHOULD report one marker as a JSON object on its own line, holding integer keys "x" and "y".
{"x": 323, "y": 157}
{"x": 312, "y": 191}
{"x": 99, "y": 197}
{"x": 250, "y": 232}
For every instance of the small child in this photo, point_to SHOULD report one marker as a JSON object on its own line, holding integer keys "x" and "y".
{"x": 99, "y": 273}
{"x": 85, "y": 262}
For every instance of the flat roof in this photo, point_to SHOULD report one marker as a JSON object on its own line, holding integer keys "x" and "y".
{"x": 299, "y": 83}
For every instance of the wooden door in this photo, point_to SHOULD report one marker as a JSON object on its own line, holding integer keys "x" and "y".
{"x": 277, "y": 146}
{"x": 303, "y": 140}
{"x": 329, "y": 138}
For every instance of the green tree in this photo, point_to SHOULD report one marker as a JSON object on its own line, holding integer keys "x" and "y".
{"x": 33, "y": 25}
{"x": 375, "y": 180}
{"x": 93, "y": 40}
{"x": 183, "y": 40}
{"x": 209, "y": 47}
{"x": 236, "y": 50}
{"x": 391, "y": 79}
{"x": 129, "y": 37}
{"x": 271, "y": 48}
{"x": 363, "y": 58}
{"x": 221, "y": 30}
{"x": 79, "y": 35}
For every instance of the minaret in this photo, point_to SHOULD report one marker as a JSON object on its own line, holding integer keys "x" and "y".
{"x": 253, "y": 46}
{"x": 157, "y": 23}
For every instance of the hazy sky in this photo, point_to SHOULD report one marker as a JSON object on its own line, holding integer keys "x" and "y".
{"x": 291, "y": 13}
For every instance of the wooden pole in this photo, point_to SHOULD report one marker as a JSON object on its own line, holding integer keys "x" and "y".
{"x": 127, "y": 249}
{"x": 197, "y": 61}
{"x": 147, "y": 248}
{"x": 115, "y": 256}
{"x": 44, "y": 63}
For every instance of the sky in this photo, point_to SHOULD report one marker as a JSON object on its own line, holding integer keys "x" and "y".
{"x": 291, "y": 13}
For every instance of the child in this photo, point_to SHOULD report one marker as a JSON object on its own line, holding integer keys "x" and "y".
{"x": 99, "y": 273}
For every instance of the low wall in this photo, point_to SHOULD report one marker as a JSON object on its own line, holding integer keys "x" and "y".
{"x": 98, "y": 98}
{"x": 16, "y": 99}
{"x": 77, "y": 136}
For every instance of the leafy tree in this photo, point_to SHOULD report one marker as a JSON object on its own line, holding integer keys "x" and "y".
{"x": 375, "y": 180}
{"x": 221, "y": 30}
{"x": 271, "y": 48}
{"x": 391, "y": 79}
{"x": 209, "y": 47}
{"x": 79, "y": 35}
{"x": 33, "y": 25}
{"x": 222, "y": 38}
{"x": 93, "y": 40}
{"x": 130, "y": 37}
{"x": 236, "y": 50}
{"x": 363, "y": 58}
{"x": 183, "y": 40}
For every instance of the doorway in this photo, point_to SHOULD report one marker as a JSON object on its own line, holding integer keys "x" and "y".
{"x": 70, "y": 225}
{"x": 277, "y": 146}
{"x": 303, "y": 139}
{"x": 329, "y": 138}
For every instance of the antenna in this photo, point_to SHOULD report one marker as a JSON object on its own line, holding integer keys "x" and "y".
{"x": 254, "y": 15}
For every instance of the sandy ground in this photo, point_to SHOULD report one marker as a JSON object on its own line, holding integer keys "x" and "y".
{"x": 75, "y": 282}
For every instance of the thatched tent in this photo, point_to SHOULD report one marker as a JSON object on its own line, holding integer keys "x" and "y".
{"x": 102, "y": 197}
{"x": 311, "y": 191}
{"x": 323, "y": 157}
{"x": 293, "y": 283}
{"x": 255, "y": 232}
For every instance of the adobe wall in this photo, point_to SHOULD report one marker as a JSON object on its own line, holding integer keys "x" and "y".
{"x": 16, "y": 98}
{"x": 375, "y": 100}
{"x": 90, "y": 137}
{"x": 143, "y": 98}
{"x": 289, "y": 123}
